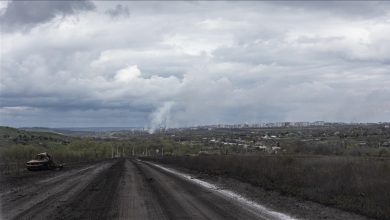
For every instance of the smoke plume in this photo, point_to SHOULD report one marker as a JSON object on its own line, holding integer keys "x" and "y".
{"x": 161, "y": 118}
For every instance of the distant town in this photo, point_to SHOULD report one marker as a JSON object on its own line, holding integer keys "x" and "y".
{"x": 283, "y": 124}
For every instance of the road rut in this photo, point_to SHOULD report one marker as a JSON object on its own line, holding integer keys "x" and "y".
{"x": 120, "y": 189}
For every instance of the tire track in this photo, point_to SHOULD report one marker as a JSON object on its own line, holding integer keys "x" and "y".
{"x": 45, "y": 196}
{"x": 123, "y": 189}
{"x": 182, "y": 199}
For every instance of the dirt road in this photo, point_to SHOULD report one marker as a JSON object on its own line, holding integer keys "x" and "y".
{"x": 123, "y": 189}
{"x": 118, "y": 189}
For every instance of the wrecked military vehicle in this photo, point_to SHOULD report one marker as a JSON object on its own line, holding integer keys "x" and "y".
{"x": 43, "y": 161}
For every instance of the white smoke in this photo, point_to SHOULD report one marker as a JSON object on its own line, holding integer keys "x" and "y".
{"x": 161, "y": 118}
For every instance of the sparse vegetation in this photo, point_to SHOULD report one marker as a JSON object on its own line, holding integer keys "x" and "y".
{"x": 346, "y": 166}
{"x": 18, "y": 146}
{"x": 361, "y": 185}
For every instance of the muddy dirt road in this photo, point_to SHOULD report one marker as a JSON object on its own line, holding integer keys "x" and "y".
{"x": 118, "y": 189}
{"x": 123, "y": 189}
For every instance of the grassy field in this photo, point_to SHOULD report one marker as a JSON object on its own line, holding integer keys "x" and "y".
{"x": 18, "y": 146}
{"x": 357, "y": 184}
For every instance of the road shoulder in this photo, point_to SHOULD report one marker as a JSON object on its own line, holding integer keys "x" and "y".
{"x": 300, "y": 209}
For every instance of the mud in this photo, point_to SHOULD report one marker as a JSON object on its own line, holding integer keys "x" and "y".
{"x": 124, "y": 189}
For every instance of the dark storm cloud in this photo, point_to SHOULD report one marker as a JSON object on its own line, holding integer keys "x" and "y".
{"x": 26, "y": 14}
{"x": 119, "y": 10}
{"x": 30, "y": 117}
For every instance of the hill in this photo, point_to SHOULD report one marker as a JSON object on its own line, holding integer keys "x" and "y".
{"x": 12, "y": 136}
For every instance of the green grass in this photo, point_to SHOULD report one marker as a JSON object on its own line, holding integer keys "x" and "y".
{"x": 18, "y": 146}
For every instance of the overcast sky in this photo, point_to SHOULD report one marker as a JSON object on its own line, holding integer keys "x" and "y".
{"x": 105, "y": 63}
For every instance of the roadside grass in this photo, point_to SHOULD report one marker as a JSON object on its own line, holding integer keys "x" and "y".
{"x": 357, "y": 184}
{"x": 14, "y": 157}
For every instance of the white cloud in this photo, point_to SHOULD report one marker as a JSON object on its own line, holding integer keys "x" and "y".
{"x": 127, "y": 74}
{"x": 185, "y": 63}
{"x": 195, "y": 44}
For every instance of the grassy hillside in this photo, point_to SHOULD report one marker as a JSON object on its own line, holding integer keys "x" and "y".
{"x": 12, "y": 136}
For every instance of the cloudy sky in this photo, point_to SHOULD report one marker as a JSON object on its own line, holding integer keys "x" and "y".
{"x": 105, "y": 63}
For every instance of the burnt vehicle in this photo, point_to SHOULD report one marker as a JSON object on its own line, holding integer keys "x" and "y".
{"x": 43, "y": 161}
